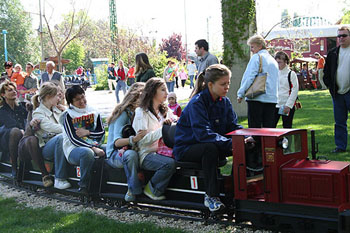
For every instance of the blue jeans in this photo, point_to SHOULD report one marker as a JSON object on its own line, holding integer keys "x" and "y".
{"x": 83, "y": 157}
{"x": 164, "y": 168}
{"x": 53, "y": 151}
{"x": 341, "y": 108}
{"x": 191, "y": 79}
{"x": 130, "y": 162}
{"x": 170, "y": 86}
{"x": 121, "y": 85}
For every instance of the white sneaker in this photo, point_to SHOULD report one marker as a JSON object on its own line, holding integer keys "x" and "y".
{"x": 62, "y": 184}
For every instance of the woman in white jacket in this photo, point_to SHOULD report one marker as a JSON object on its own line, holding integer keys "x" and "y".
{"x": 287, "y": 91}
{"x": 47, "y": 142}
{"x": 150, "y": 116}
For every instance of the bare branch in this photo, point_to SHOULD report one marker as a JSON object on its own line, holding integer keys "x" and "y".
{"x": 50, "y": 33}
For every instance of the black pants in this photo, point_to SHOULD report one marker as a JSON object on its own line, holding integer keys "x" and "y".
{"x": 176, "y": 81}
{"x": 287, "y": 120}
{"x": 207, "y": 154}
{"x": 261, "y": 115}
{"x": 183, "y": 82}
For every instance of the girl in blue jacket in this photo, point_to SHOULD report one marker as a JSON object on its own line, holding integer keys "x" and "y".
{"x": 200, "y": 131}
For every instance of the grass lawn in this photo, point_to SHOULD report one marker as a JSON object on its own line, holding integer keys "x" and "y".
{"x": 17, "y": 218}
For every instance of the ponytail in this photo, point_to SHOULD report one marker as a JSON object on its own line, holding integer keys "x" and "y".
{"x": 35, "y": 101}
{"x": 211, "y": 74}
{"x": 200, "y": 84}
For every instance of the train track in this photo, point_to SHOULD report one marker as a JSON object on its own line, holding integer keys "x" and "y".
{"x": 137, "y": 208}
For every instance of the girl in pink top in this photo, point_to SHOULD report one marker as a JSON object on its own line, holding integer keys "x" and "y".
{"x": 183, "y": 76}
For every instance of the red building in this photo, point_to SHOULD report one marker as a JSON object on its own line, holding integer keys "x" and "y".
{"x": 304, "y": 40}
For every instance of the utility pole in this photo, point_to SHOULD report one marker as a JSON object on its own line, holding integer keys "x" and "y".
{"x": 185, "y": 32}
{"x": 41, "y": 33}
{"x": 208, "y": 28}
{"x": 113, "y": 27}
{"x": 4, "y": 32}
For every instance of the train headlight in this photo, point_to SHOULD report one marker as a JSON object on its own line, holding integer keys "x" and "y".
{"x": 285, "y": 143}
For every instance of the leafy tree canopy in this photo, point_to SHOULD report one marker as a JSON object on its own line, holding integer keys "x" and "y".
{"x": 22, "y": 45}
{"x": 75, "y": 53}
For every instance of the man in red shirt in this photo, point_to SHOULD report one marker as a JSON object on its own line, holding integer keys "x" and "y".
{"x": 122, "y": 77}
{"x": 320, "y": 66}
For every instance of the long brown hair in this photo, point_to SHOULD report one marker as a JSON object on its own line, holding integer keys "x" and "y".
{"x": 3, "y": 87}
{"x": 211, "y": 74}
{"x": 48, "y": 89}
{"x": 142, "y": 63}
{"x": 149, "y": 92}
{"x": 130, "y": 101}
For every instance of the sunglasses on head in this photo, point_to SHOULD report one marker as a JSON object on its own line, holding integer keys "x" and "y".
{"x": 342, "y": 35}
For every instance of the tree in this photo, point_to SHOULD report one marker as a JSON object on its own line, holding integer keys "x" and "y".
{"x": 346, "y": 18}
{"x": 239, "y": 23}
{"x": 72, "y": 27}
{"x": 129, "y": 43}
{"x": 75, "y": 52}
{"x": 22, "y": 45}
{"x": 173, "y": 46}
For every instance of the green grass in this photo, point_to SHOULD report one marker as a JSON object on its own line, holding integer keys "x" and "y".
{"x": 17, "y": 218}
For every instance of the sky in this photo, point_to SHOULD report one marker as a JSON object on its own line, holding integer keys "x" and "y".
{"x": 160, "y": 18}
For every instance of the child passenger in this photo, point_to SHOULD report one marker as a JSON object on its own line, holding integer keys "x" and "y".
{"x": 83, "y": 134}
{"x": 200, "y": 131}
{"x": 173, "y": 105}
{"x": 150, "y": 116}
{"x": 47, "y": 141}
{"x": 119, "y": 149}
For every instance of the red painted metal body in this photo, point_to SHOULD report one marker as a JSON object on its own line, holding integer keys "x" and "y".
{"x": 289, "y": 177}
{"x": 315, "y": 182}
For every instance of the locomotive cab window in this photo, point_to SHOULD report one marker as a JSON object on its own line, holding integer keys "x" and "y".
{"x": 291, "y": 144}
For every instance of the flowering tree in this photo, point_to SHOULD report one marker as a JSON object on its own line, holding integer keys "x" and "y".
{"x": 173, "y": 46}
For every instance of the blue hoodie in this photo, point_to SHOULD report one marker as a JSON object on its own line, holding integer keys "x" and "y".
{"x": 205, "y": 120}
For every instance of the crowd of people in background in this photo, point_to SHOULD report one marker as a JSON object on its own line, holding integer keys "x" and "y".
{"x": 50, "y": 120}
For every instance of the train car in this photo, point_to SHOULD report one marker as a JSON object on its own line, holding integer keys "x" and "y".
{"x": 272, "y": 185}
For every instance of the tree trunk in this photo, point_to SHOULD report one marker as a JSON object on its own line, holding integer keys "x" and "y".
{"x": 239, "y": 23}
{"x": 59, "y": 57}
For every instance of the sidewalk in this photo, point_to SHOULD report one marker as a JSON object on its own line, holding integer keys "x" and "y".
{"x": 105, "y": 102}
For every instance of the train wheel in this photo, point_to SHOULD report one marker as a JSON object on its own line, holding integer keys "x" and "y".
{"x": 33, "y": 188}
{"x": 205, "y": 214}
{"x": 118, "y": 203}
{"x": 110, "y": 202}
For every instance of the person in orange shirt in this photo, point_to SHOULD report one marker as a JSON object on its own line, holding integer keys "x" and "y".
{"x": 320, "y": 66}
{"x": 18, "y": 78}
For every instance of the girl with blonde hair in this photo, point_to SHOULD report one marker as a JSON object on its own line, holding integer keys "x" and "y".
{"x": 119, "y": 148}
{"x": 47, "y": 142}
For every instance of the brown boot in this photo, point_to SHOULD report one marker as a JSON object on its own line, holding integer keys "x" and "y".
{"x": 47, "y": 181}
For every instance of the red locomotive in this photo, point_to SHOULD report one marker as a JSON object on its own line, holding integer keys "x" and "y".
{"x": 292, "y": 191}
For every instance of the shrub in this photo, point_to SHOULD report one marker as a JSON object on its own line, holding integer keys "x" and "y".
{"x": 102, "y": 77}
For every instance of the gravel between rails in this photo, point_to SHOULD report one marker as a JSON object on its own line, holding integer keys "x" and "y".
{"x": 35, "y": 201}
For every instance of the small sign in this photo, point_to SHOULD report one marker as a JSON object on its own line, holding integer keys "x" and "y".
{"x": 194, "y": 184}
{"x": 42, "y": 65}
{"x": 78, "y": 172}
{"x": 270, "y": 157}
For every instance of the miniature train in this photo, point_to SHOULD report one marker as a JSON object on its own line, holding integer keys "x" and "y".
{"x": 285, "y": 191}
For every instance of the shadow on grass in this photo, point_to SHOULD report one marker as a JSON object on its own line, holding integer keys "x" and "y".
{"x": 17, "y": 218}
